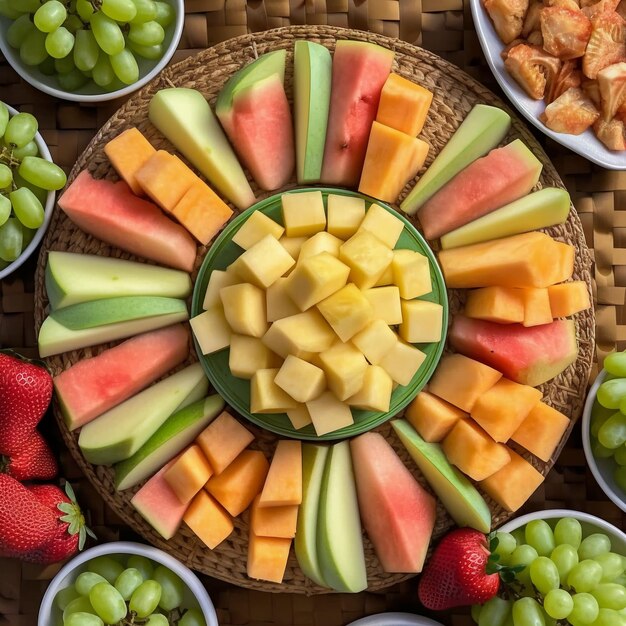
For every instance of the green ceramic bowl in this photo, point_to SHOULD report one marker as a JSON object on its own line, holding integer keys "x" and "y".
{"x": 236, "y": 391}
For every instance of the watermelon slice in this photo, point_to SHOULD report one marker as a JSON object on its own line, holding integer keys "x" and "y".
{"x": 360, "y": 70}
{"x": 111, "y": 212}
{"x": 530, "y": 356}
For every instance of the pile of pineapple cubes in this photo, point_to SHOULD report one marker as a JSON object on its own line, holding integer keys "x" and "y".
{"x": 307, "y": 310}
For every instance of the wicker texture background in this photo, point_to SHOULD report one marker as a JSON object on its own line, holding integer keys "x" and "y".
{"x": 443, "y": 26}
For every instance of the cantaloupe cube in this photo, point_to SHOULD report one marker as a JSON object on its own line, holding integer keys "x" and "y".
{"x": 432, "y": 417}
{"x": 541, "y": 431}
{"x": 367, "y": 257}
{"x": 476, "y": 377}
{"x": 513, "y": 484}
{"x": 375, "y": 341}
{"x": 303, "y": 213}
{"x": 328, "y": 413}
{"x": 218, "y": 280}
{"x": 236, "y": 487}
{"x": 386, "y": 303}
{"x": 411, "y": 273}
{"x": 293, "y": 245}
{"x": 375, "y": 393}
{"x": 300, "y": 335}
{"x": 318, "y": 243}
{"x": 255, "y": 228}
{"x": 473, "y": 451}
{"x": 347, "y": 311}
{"x": 301, "y": 380}
{"x": 402, "y": 362}
{"x": 189, "y": 473}
{"x": 386, "y": 278}
{"x": 208, "y": 520}
{"x": 283, "y": 485}
{"x": 278, "y": 303}
{"x": 421, "y": 321}
{"x": 383, "y": 224}
{"x": 244, "y": 309}
{"x": 345, "y": 214}
{"x": 568, "y": 298}
{"x": 223, "y": 440}
{"x": 316, "y": 278}
{"x": 266, "y": 396}
{"x": 249, "y": 354}
{"x": 536, "y": 306}
{"x": 344, "y": 366}
{"x": 264, "y": 263}
{"x": 501, "y": 409}
{"x": 211, "y": 330}
{"x": 564, "y": 267}
{"x": 299, "y": 417}
{"x": 273, "y": 521}
{"x": 403, "y": 105}
{"x": 127, "y": 153}
{"x": 165, "y": 179}
{"x": 504, "y": 305}
{"x": 267, "y": 558}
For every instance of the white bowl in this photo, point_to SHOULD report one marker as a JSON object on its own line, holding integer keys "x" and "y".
{"x": 586, "y": 144}
{"x": 36, "y": 240}
{"x": 91, "y": 92}
{"x": 602, "y": 469}
{"x": 395, "y": 619}
{"x": 70, "y": 571}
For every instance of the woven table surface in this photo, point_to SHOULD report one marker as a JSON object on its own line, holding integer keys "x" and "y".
{"x": 444, "y": 27}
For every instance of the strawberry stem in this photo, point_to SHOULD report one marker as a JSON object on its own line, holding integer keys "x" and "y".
{"x": 74, "y": 517}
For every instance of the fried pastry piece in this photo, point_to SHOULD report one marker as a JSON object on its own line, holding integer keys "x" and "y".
{"x": 565, "y": 4}
{"x": 569, "y": 76}
{"x": 571, "y": 113}
{"x": 532, "y": 68}
{"x": 532, "y": 19}
{"x": 612, "y": 86}
{"x": 621, "y": 9}
{"x": 612, "y": 133}
{"x": 593, "y": 8}
{"x": 565, "y": 32}
{"x": 606, "y": 44}
{"x": 507, "y": 17}
{"x": 592, "y": 91}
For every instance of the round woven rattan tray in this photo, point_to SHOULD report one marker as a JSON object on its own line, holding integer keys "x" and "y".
{"x": 455, "y": 94}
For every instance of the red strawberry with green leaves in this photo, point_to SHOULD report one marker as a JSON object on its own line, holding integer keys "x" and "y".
{"x": 33, "y": 461}
{"x": 25, "y": 393}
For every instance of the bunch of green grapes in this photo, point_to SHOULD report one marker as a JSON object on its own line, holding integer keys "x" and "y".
{"x": 567, "y": 578}
{"x": 126, "y": 592}
{"x": 25, "y": 180}
{"x": 81, "y": 40}
{"x": 608, "y": 417}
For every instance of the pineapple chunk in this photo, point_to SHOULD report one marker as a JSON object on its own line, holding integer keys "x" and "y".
{"x": 299, "y": 417}
{"x": 218, "y": 280}
{"x": 278, "y": 302}
{"x": 375, "y": 394}
{"x": 293, "y": 245}
{"x": 303, "y": 213}
{"x": 421, "y": 321}
{"x": 264, "y": 262}
{"x": 301, "y": 380}
{"x": 345, "y": 367}
{"x": 345, "y": 215}
{"x": 244, "y": 309}
{"x": 402, "y": 362}
{"x": 386, "y": 278}
{"x": 411, "y": 273}
{"x": 266, "y": 396}
{"x": 211, "y": 330}
{"x": 347, "y": 311}
{"x": 386, "y": 303}
{"x": 320, "y": 242}
{"x": 385, "y": 225}
{"x": 375, "y": 340}
{"x": 257, "y": 226}
{"x": 329, "y": 414}
{"x": 367, "y": 256}
{"x": 249, "y": 354}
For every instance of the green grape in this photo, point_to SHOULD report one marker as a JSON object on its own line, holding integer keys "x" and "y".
{"x": 146, "y": 11}
{"x": 610, "y": 596}
{"x": 608, "y": 617}
{"x": 25, "y": 6}
{"x": 585, "y": 576}
{"x": 558, "y": 603}
{"x": 599, "y": 451}
{"x": 619, "y": 475}
{"x": 125, "y": 66}
{"x": 18, "y": 30}
{"x": 73, "y": 23}
{"x": 152, "y": 53}
{"x": 102, "y": 73}
{"x": 86, "y": 50}
{"x": 172, "y": 588}
{"x": 145, "y": 598}
{"x": 107, "y": 33}
{"x": 493, "y": 613}
{"x": 27, "y": 207}
{"x": 165, "y": 13}
{"x": 518, "y": 535}
{"x": 86, "y": 580}
{"x": 119, "y": 10}
{"x": 42, "y": 173}
{"x": 30, "y": 149}
{"x": 620, "y": 455}
{"x": 611, "y": 392}
{"x": 107, "y": 567}
{"x": 46, "y": 67}
{"x": 157, "y": 619}
{"x": 476, "y": 611}
{"x": 584, "y": 611}
{"x": 107, "y": 602}
{"x": 146, "y": 34}
{"x": 6, "y": 176}
{"x": 615, "y": 363}
{"x": 594, "y": 545}
{"x": 128, "y": 581}
{"x": 84, "y": 10}
{"x": 612, "y": 565}
{"x": 4, "y": 118}
{"x": 27, "y": 235}
{"x": 65, "y": 66}
{"x": 33, "y": 48}
{"x": 80, "y": 605}
{"x": 599, "y": 415}
{"x": 194, "y": 617}
{"x": 82, "y": 619}
{"x": 41, "y": 194}
{"x": 143, "y": 564}
{"x": 59, "y": 43}
{"x": 65, "y": 596}
{"x": 73, "y": 80}
{"x": 523, "y": 555}
{"x": 565, "y": 557}
{"x": 527, "y": 612}
{"x": 544, "y": 574}
{"x": 8, "y": 11}
{"x": 505, "y": 547}
{"x": 612, "y": 434}
{"x": 5, "y": 209}
{"x": 539, "y": 535}
{"x": 50, "y": 15}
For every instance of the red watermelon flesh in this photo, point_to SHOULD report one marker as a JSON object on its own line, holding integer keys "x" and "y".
{"x": 113, "y": 213}
{"x": 360, "y": 70}
{"x": 93, "y": 386}
{"x": 530, "y": 356}
{"x": 398, "y": 514}
{"x": 260, "y": 128}
{"x": 504, "y": 175}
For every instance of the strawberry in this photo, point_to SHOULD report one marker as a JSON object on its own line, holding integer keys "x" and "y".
{"x": 33, "y": 461}
{"x": 25, "y": 392}
{"x": 25, "y": 523}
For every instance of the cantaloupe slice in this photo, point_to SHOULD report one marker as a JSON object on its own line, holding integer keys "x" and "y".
{"x": 283, "y": 485}
{"x": 240, "y": 482}
{"x": 541, "y": 431}
{"x": 273, "y": 521}
{"x": 536, "y": 306}
{"x": 403, "y": 105}
{"x": 267, "y": 558}
{"x": 473, "y": 451}
{"x": 568, "y": 298}
{"x": 476, "y": 377}
{"x": 223, "y": 440}
{"x": 500, "y": 410}
{"x": 392, "y": 159}
{"x": 513, "y": 484}
{"x": 503, "y": 305}
{"x": 127, "y": 153}
{"x": 208, "y": 520}
{"x": 565, "y": 265}
{"x": 189, "y": 473}
{"x": 432, "y": 417}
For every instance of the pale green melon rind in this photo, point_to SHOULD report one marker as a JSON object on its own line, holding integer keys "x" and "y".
{"x": 460, "y": 498}
{"x": 483, "y": 129}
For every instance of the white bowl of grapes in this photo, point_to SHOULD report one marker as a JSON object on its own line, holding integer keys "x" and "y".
{"x": 89, "y": 50}
{"x": 126, "y": 584}
{"x": 28, "y": 180}
{"x": 604, "y": 428}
